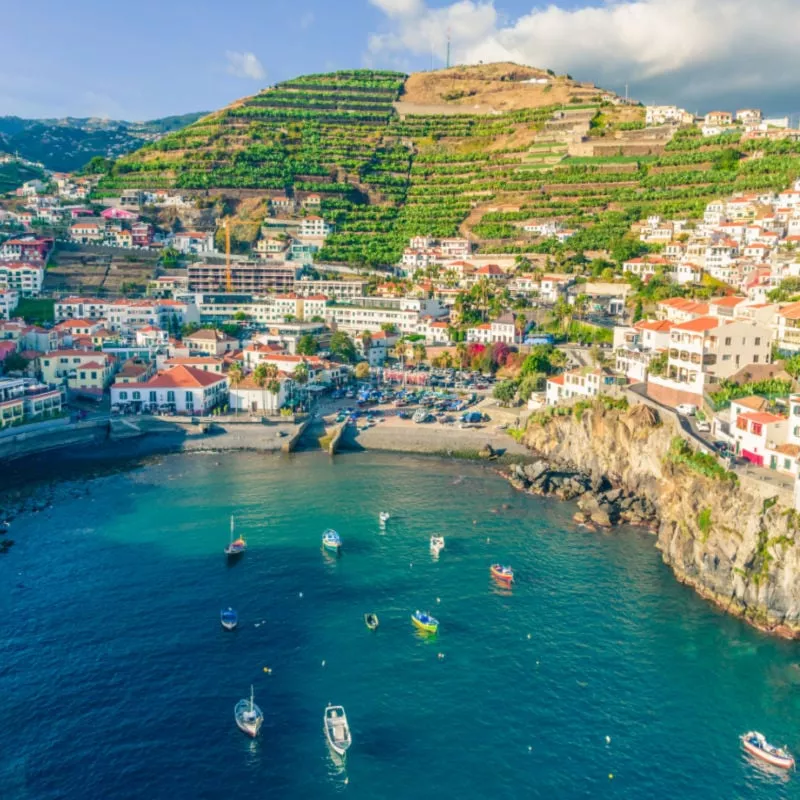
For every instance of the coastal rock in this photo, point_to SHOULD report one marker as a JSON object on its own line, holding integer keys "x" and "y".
{"x": 733, "y": 542}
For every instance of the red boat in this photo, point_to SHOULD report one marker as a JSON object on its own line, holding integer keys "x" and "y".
{"x": 501, "y": 573}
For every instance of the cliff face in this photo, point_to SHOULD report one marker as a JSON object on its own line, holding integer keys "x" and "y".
{"x": 731, "y": 545}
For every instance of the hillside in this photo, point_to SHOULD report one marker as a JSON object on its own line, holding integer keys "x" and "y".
{"x": 13, "y": 175}
{"x": 477, "y": 150}
{"x": 64, "y": 145}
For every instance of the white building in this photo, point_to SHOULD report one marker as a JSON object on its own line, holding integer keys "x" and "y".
{"x": 182, "y": 389}
{"x": 248, "y": 396}
{"x": 24, "y": 278}
{"x": 315, "y": 227}
{"x": 585, "y": 382}
{"x": 193, "y": 242}
{"x": 636, "y": 346}
{"x": 502, "y": 329}
{"x": 554, "y": 287}
{"x": 9, "y": 300}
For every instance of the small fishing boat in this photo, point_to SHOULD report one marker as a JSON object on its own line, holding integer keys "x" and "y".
{"x": 371, "y": 621}
{"x": 249, "y": 716}
{"x": 331, "y": 540}
{"x": 384, "y": 517}
{"x": 236, "y": 546}
{"x": 756, "y": 744}
{"x": 337, "y": 730}
{"x": 501, "y": 573}
{"x": 229, "y": 619}
{"x": 425, "y": 622}
{"x": 437, "y": 544}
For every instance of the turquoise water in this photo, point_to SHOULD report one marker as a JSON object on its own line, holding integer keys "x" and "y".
{"x": 118, "y": 681}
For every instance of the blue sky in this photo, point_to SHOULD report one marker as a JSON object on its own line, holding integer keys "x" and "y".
{"x": 152, "y": 58}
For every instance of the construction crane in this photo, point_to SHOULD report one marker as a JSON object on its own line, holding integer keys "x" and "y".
{"x": 228, "y": 279}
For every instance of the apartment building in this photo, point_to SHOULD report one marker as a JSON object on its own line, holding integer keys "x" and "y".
{"x": 579, "y": 383}
{"x": 704, "y": 351}
{"x": 250, "y": 277}
{"x": 24, "y": 278}
{"x": 333, "y": 290}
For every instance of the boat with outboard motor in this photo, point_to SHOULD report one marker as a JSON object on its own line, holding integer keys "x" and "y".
{"x": 371, "y": 621}
{"x": 757, "y": 745}
{"x": 331, "y": 540}
{"x": 424, "y": 622}
{"x": 228, "y": 618}
{"x": 337, "y": 730}
{"x": 437, "y": 544}
{"x": 501, "y": 573}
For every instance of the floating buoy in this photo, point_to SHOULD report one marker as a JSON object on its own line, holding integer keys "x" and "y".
{"x": 438, "y": 600}
{"x": 323, "y": 663}
{"x": 441, "y": 655}
{"x": 300, "y": 594}
{"x": 530, "y": 749}
{"x": 537, "y": 663}
{"x": 611, "y": 776}
{"x": 410, "y": 566}
{"x": 529, "y": 636}
{"x": 346, "y": 781}
{"x": 608, "y": 740}
{"x": 268, "y": 670}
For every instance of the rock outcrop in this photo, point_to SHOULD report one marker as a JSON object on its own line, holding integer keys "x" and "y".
{"x": 733, "y": 546}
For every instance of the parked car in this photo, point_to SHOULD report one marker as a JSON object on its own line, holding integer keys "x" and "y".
{"x": 687, "y": 409}
{"x": 704, "y": 426}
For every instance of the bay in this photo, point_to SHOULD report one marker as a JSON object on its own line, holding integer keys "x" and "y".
{"x": 118, "y": 681}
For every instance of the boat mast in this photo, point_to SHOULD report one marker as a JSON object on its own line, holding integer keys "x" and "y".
{"x": 231, "y": 528}
{"x": 251, "y": 698}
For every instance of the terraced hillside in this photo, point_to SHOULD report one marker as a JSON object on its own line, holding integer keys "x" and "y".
{"x": 385, "y": 174}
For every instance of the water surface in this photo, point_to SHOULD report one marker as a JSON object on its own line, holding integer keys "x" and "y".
{"x": 118, "y": 681}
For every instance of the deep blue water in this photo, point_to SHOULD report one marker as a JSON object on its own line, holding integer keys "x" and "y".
{"x": 118, "y": 681}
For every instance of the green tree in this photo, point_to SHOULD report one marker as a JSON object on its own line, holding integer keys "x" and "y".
{"x": 505, "y": 391}
{"x": 300, "y": 374}
{"x": 307, "y": 345}
{"x": 362, "y": 371}
{"x": 14, "y": 362}
{"x": 235, "y": 377}
{"x": 342, "y": 346}
{"x": 638, "y": 311}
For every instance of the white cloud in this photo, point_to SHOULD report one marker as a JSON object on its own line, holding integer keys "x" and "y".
{"x": 245, "y": 65}
{"x": 306, "y": 20}
{"x": 698, "y": 48}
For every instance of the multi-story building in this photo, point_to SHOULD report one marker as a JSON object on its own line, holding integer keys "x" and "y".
{"x": 502, "y": 329}
{"x": 182, "y": 390}
{"x": 32, "y": 248}
{"x": 704, "y": 351}
{"x": 142, "y": 234}
{"x": 333, "y": 290}
{"x": 251, "y": 277}
{"x": 315, "y": 227}
{"x": 25, "y": 400}
{"x": 635, "y": 347}
{"x": 193, "y": 242}
{"x": 89, "y": 230}
{"x": 9, "y": 300}
{"x": 585, "y": 382}
{"x": 24, "y": 278}
{"x": 370, "y": 313}
{"x": 300, "y": 307}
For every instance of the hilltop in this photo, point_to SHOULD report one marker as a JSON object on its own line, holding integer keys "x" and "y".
{"x": 485, "y": 151}
{"x": 64, "y": 145}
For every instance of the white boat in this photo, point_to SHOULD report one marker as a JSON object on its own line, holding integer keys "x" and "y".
{"x": 384, "y": 517}
{"x": 337, "y": 730}
{"x": 236, "y": 546}
{"x": 229, "y": 619}
{"x": 757, "y": 745}
{"x": 437, "y": 544}
{"x": 248, "y": 716}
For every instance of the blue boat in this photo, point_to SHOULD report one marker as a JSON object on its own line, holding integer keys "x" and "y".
{"x": 331, "y": 540}
{"x": 229, "y": 619}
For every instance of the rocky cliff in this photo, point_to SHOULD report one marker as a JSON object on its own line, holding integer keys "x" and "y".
{"x": 733, "y": 546}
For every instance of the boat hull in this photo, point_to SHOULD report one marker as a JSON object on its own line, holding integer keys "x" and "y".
{"x": 425, "y": 627}
{"x": 784, "y": 762}
{"x": 333, "y": 548}
{"x": 250, "y": 729}
{"x": 229, "y": 626}
{"x": 500, "y": 576}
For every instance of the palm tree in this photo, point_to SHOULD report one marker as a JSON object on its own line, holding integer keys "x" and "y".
{"x": 260, "y": 378}
{"x": 520, "y": 324}
{"x": 235, "y": 376}
{"x": 461, "y": 353}
{"x": 419, "y": 352}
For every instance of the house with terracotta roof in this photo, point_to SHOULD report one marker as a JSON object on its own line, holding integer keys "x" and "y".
{"x": 181, "y": 390}
{"x": 756, "y": 434}
{"x": 636, "y": 346}
{"x": 554, "y": 287}
{"x": 725, "y": 307}
{"x": 705, "y": 351}
{"x": 503, "y": 329}
{"x": 680, "y": 309}
{"x": 24, "y": 277}
{"x": 787, "y": 329}
{"x": 134, "y": 370}
{"x": 579, "y": 383}
{"x": 248, "y": 396}
{"x": 64, "y": 367}
{"x": 645, "y": 266}
{"x": 210, "y": 342}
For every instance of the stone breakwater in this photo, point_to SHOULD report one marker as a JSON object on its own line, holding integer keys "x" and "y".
{"x": 735, "y": 547}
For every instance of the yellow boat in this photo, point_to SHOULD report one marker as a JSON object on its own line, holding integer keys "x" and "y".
{"x": 425, "y": 622}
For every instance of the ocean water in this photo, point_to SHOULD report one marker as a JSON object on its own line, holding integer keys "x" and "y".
{"x": 118, "y": 681}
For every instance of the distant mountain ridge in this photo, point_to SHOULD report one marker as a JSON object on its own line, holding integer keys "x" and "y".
{"x": 67, "y": 144}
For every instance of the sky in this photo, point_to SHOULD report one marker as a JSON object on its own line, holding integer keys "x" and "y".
{"x": 155, "y": 58}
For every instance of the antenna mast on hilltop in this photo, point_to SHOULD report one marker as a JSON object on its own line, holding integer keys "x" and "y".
{"x": 447, "y": 61}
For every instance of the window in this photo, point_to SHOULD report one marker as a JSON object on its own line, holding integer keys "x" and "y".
{"x": 137, "y": 395}
{"x": 153, "y": 397}
{"x": 727, "y": 340}
{"x": 756, "y": 429}
{"x": 758, "y": 341}
{"x": 123, "y": 395}
{"x": 755, "y": 359}
{"x": 94, "y": 376}
{"x": 787, "y": 463}
{"x": 170, "y": 397}
{"x": 47, "y": 364}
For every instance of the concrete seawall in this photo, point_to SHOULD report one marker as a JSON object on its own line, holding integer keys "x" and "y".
{"x": 70, "y": 435}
